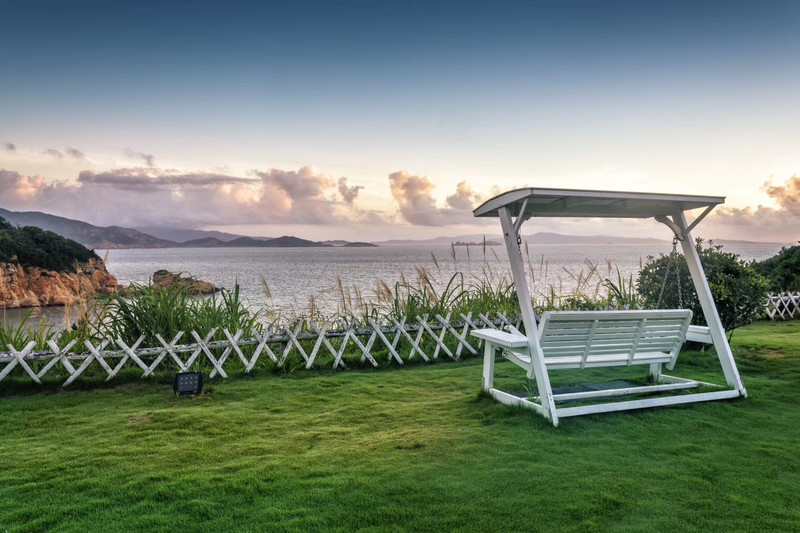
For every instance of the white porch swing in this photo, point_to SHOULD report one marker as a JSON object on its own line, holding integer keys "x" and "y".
{"x": 585, "y": 339}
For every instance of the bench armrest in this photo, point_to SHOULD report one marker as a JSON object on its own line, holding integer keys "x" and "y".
{"x": 501, "y": 338}
{"x": 699, "y": 334}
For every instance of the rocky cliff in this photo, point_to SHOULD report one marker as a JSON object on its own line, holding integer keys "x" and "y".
{"x": 166, "y": 280}
{"x": 32, "y": 286}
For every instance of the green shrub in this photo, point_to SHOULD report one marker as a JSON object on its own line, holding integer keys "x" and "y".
{"x": 34, "y": 247}
{"x": 739, "y": 291}
{"x": 782, "y": 270}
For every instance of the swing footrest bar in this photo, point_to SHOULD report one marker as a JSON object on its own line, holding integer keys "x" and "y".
{"x": 622, "y": 391}
{"x": 509, "y": 399}
{"x": 674, "y": 379}
{"x": 646, "y": 403}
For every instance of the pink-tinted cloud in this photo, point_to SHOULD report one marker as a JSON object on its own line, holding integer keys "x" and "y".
{"x": 787, "y": 195}
{"x": 348, "y": 193}
{"x": 304, "y": 196}
{"x": 464, "y": 199}
{"x": 151, "y": 196}
{"x": 761, "y": 222}
{"x": 414, "y": 198}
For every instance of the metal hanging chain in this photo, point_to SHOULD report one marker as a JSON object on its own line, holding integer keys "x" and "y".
{"x": 673, "y": 258}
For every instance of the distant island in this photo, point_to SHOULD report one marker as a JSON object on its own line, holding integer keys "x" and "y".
{"x": 481, "y": 243}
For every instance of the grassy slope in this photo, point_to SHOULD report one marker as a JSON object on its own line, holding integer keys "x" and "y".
{"x": 414, "y": 449}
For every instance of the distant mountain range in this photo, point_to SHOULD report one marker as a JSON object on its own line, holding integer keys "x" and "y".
{"x": 84, "y": 233}
{"x": 185, "y": 235}
{"x": 97, "y": 237}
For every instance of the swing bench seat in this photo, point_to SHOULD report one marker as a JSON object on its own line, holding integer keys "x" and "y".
{"x": 587, "y": 339}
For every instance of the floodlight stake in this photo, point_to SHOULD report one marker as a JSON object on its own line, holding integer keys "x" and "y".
{"x": 188, "y": 383}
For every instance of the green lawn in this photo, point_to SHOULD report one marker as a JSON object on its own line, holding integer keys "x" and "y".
{"x": 409, "y": 449}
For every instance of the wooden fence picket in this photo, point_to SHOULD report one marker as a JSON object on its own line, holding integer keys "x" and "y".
{"x": 783, "y": 306}
{"x": 426, "y": 339}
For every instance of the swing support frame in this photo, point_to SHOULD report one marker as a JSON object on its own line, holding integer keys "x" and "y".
{"x": 515, "y": 207}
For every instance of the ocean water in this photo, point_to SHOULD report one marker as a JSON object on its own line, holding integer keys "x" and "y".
{"x": 296, "y": 276}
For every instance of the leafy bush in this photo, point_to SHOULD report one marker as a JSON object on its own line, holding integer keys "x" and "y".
{"x": 34, "y": 247}
{"x": 782, "y": 270}
{"x": 739, "y": 291}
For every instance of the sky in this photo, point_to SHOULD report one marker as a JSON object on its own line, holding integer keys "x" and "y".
{"x": 377, "y": 120}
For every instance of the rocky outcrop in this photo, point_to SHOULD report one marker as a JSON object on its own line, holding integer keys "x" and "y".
{"x": 34, "y": 286}
{"x": 166, "y": 279}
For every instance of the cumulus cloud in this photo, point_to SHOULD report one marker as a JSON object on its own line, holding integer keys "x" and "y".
{"x": 147, "y": 196}
{"x": 53, "y": 153}
{"x": 761, "y": 222}
{"x": 20, "y": 191}
{"x": 463, "y": 199}
{"x": 150, "y": 159}
{"x": 348, "y": 193}
{"x": 300, "y": 196}
{"x": 74, "y": 152}
{"x": 11, "y": 147}
{"x": 787, "y": 195}
{"x": 413, "y": 195}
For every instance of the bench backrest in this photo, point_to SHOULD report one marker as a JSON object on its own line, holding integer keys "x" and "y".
{"x": 578, "y": 339}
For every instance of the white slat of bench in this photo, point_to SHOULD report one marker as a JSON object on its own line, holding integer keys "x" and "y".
{"x": 608, "y": 316}
{"x": 580, "y": 339}
{"x": 564, "y": 363}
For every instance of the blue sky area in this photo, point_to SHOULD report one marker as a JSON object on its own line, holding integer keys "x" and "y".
{"x": 413, "y": 103}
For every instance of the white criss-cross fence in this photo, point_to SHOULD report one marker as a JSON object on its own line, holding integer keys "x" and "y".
{"x": 783, "y": 306}
{"x": 426, "y": 337}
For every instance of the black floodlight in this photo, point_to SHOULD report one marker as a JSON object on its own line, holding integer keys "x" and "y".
{"x": 188, "y": 383}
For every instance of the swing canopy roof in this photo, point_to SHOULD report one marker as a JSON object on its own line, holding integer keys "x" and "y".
{"x": 538, "y": 202}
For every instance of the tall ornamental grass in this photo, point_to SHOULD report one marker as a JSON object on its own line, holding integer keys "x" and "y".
{"x": 150, "y": 310}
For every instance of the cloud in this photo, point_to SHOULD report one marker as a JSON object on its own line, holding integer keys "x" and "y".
{"x": 151, "y": 196}
{"x": 417, "y": 205}
{"x": 11, "y": 147}
{"x": 463, "y": 199}
{"x": 761, "y": 222}
{"x": 150, "y": 159}
{"x": 787, "y": 195}
{"x": 53, "y": 153}
{"x": 152, "y": 179}
{"x": 74, "y": 152}
{"x": 19, "y": 191}
{"x": 348, "y": 194}
{"x": 301, "y": 196}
